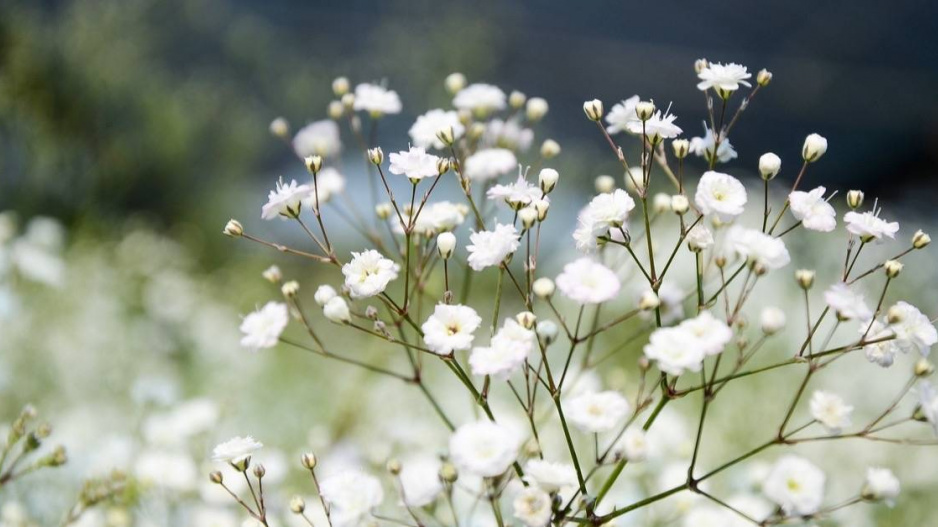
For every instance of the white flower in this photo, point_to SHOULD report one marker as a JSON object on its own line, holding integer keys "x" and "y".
{"x": 489, "y": 248}
{"x": 420, "y": 481}
{"x": 483, "y": 448}
{"x": 659, "y": 126}
{"x": 622, "y": 115}
{"x": 415, "y": 163}
{"x": 506, "y": 353}
{"x": 324, "y": 293}
{"x": 769, "y": 165}
{"x": 609, "y": 210}
{"x": 796, "y": 485}
{"x": 721, "y": 195}
{"x": 757, "y": 248}
{"x": 587, "y": 282}
{"x": 550, "y": 476}
{"x": 480, "y": 98}
{"x": 368, "y": 274}
{"x": 670, "y": 302}
{"x": 319, "y": 138}
{"x": 450, "y": 328}
{"x": 508, "y": 134}
{"x": 703, "y": 147}
{"x": 489, "y": 163}
{"x": 928, "y": 402}
{"x": 674, "y": 350}
{"x": 263, "y": 327}
{"x": 708, "y": 516}
{"x": 772, "y": 320}
{"x": 710, "y": 334}
{"x": 724, "y": 78}
{"x": 597, "y": 412}
{"x": 517, "y": 194}
{"x": 170, "y": 470}
{"x": 435, "y": 217}
{"x": 328, "y": 183}
{"x": 913, "y": 330}
{"x": 884, "y": 352}
{"x": 336, "y": 310}
{"x": 351, "y": 496}
{"x": 424, "y": 130}
{"x": 236, "y": 449}
{"x": 846, "y": 303}
{"x": 814, "y": 212}
{"x": 285, "y": 200}
{"x": 881, "y": 484}
{"x": 532, "y": 506}
{"x": 831, "y": 411}
{"x": 699, "y": 238}
{"x": 868, "y": 226}
{"x": 376, "y": 99}
{"x": 814, "y": 147}
{"x": 634, "y": 445}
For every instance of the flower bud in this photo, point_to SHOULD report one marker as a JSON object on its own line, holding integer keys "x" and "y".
{"x": 348, "y": 101}
{"x": 528, "y": 216}
{"x": 814, "y": 147}
{"x": 546, "y": 332}
{"x": 324, "y": 294}
{"x": 516, "y": 99}
{"x": 547, "y": 179}
{"x": 336, "y": 310}
{"x": 772, "y": 320}
{"x": 679, "y": 203}
{"x": 272, "y": 274}
{"x": 371, "y": 312}
{"x": 700, "y": 65}
{"x": 681, "y": 148}
{"x": 541, "y": 206}
{"x": 920, "y": 239}
{"x": 335, "y": 110}
{"x": 233, "y": 228}
{"x": 448, "y": 473}
{"x": 308, "y": 460}
{"x": 216, "y": 477}
{"x": 536, "y": 109}
{"x": 854, "y": 199}
{"x": 550, "y": 149}
{"x": 340, "y": 86}
{"x": 279, "y": 127}
{"x": 443, "y": 165}
{"x": 648, "y": 301}
{"x": 719, "y": 261}
{"x": 893, "y": 268}
{"x": 593, "y": 110}
{"x": 446, "y": 135}
{"x": 532, "y": 448}
{"x": 455, "y": 82}
{"x": 297, "y": 505}
{"x": 543, "y": 287}
{"x": 661, "y": 203}
{"x": 313, "y": 164}
{"x": 805, "y": 278}
{"x": 635, "y": 180}
{"x": 376, "y": 155}
{"x": 526, "y": 319}
{"x": 446, "y": 244}
{"x": 604, "y": 184}
{"x": 383, "y": 210}
{"x": 290, "y": 289}
{"x": 241, "y": 464}
{"x": 764, "y": 77}
{"x": 894, "y": 315}
{"x": 644, "y": 110}
{"x": 769, "y": 165}
{"x": 259, "y": 471}
{"x": 923, "y": 368}
{"x": 394, "y": 467}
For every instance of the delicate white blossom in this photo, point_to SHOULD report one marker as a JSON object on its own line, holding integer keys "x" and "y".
{"x": 263, "y": 327}
{"x": 368, "y": 273}
{"x": 881, "y": 484}
{"x": 710, "y": 334}
{"x": 351, "y": 496}
{"x": 721, "y": 195}
{"x": 319, "y": 138}
{"x": 489, "y": 163}
{"x": 550, "y": 476}
{"x": 869, "y": 226}
{"x": 597, "y": 412}
{"x": 659, "y": 126}
{"x": 480, "y": 98}
{"x": 674, "y": 350}
{"x": 847, "y": 303}
{"x": 490, "y": 248}
{"x": 450, "y": 328}
{"x": 506, "y": 353}
{"x": 236, "y": 449}
{"x": 796, "y": 485}
{"x": 414, "y": 163}
{"x": 483, "y": 448}
{"x": 704, "y": 146}
{"x": 831, "y": 411}
{"x": 812, "y": 210}
{"x": 424, "y": 130}
{"x": 533, "y": 507}
{"x": 376, "y": 99}
{"x": 517, "y": 194}
{"x": 757, "y": 248}
{"x": 420, "y": 481}
{"x": 724, "y": 78}
{"x": 622, "y": 115}
{"x": 588, "y": 282}
{"x": 913, "y": 330}
{"x": 285, "y": 200}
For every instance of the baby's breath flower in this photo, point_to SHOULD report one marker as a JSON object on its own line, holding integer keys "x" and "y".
{"x": 814, "y": 147}
{"x": 414, "y": 163}
{"x": 280, "y": 127}
{"x": 588, "y": 282}
{"x": 533, "y": 507}
{"x": 233, "y": 228}
{"x": 377, "y": 100}
{"x": 481, "y": 99}
{"x": 812, "y": 210}
{"x": 236, "y": 449}
{"x": 723, "y": 78}
{"x": 674, "y": 350}
{"x": 711, "y": 335}
{"x": 536, "y": 109}
{"x": 450, "y": 328}
{"x": 769, "y": 165}
{"x": 324, "y": 293}
{"x": 351, "y": 496}
{"x": 425, "y": 130}
{"x": 759, "y": 249}
{"x": 446, "y": 244}
{"x": 848, "y": 304}
{"x": 263, "y": 327}
{"x": 517, "y": 194}
{"x": 657, "y": 127}
{"x": 869, "y": 226}
{"x": 550, "y": 149}
{"x": 489, "y": 163}
{"x": 455, "y": 82}
{"x": 699, "y": 238}
{"x": 772, "y": 320}
{"x": 543, "y": 287}
{"x": 721, "y": 195}
{"x": 593, "y": 110}
{"x": 368, "y": 273}
{"x": 319, "y": 138}
{"x": 913, "y": 330}
{"x": 633, "y": 445}
{"x": 831, "y": 411}
{"x": 420, "y": 481}
{"x": 596, "y": 412}
{"x": 622, "y": 115}
{"x": 704, "y": 147}
{"x": 490, "y": 248}
{"x": 285, "y": 200}
{"x": 506, "y": 353}
{"x": 550, "y": 476}
{"x": 796, "y": 485}
{"x": 483, "y": 448}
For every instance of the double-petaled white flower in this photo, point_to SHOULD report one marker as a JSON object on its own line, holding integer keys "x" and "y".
{"x": 869, "y": 226}
{"x": 622, "y": 115}
{"x": 508, "y": 134}
{"x": 415, "y": 163}
{"x": 597, "y": 412}
{"x": 436, "y": 217}
{"x": 420, "y": 480}
{"x": 674, "y": 350}
{"x": 480, "y": 98}
{"x": 710, "y": 333}
{"x": 814, "y": 212}
{"x": 533, "y": 507}
{"x": 483, "y": 448}
{"x": 723, "y": 78}
{"x": 605, "y": 212}
{"x": 490, "y": 248}
{"x": 848, "y": 304}
{"x": 517, "y": 194}
{"x": 699, "y": 238}
{"x": 550, "y": 476}
{"x": 506, "y": 353}
{"x": 489, "y": 163}
{"x": 286, "y": 200}
{"x": 236, "y": 449}
{"x": 376, "y": 99}
{"x": 368, "y": 273}
{"x": 450, "y": 328}
{"x": 759, "y": 249}
{"x": 659, "y": 126}
{"x": 263, "y": 327}
{"x": 425, "y": 129}
{"x": 913, "y": 330}
{"x": 351, "y": 496}
{"x": 795, "y": 485}
{"x": 588, "y": 282}
{"x": 704, "y": 147}
{"x": 882, "y": 352}
{"x": 319, "y": 138}
{"x": 721, "y": 195}
{"x": 831, "y": 411}
{"x": 881, "y": 484}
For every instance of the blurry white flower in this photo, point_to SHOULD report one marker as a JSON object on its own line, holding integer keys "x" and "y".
{"x": 176, "y": 426}
{"x": 236, "y": 449}
{"x": 508, "y": 134}
{"x": 328, "y": 183}
{"x": 721, "y": 195}
{"x": 489, "y": 163}
{"x": 377, "y": 100}
{"x": 814, "y": 212}
{"x": 517, "y": 194}
{"x": 351, "y": 496}
{"x": 881, "y": 484}
{"x": 796, "y": 485}
{"x": 869, "y": 226}
{"x": 337, "y": 310}
{"x": 882, "y": 353}
{"x": 707, "y": 516}
{"x": 757, "y": 247}
{"x": 670, "y": 302}
{"x": 659, "y": 126}
{"x": 928, "y": 402}
{"x": 703, "y": 147}
{"x": 263, "y": 327}
{"x": 506, "y": 353}
{"x": 285, "y": 200}
{"x": 913, "y": 330}
{"x": 814, "y": 147}
{"x": 609, "y": 210}
{"x": 550, "y": 476}
{"x": 597, "y": 412}
{"x": 420, "y": 481}
{"x": 483, "y": 448}
{"x": 831, "y": 411}
{"x": 588, "y": 282}
{"x": 368, "y": 273}
{"x": 622, "y": 115}
{"x": 319, "y": 138}
{"x": 324, "y": 293}
{"x": 536, "y": 109}
{"x": 533, "y": 507}
{"x": 674, "y": 350}
{"x": 772, "y": 320}
{"x": 710, "y": 334}
{"x": 424, "y": 130}
{"x": 769, "y": 165}
{"x": 480, "y": 98}
{"x": 633, "y": 445}
{"x": 415, "y": 163}
{"x": 166, "y": 469}
{"x": 490, "y": 248}
{"x": 723, "y": 78}
{"x": 435, "y": 217}
{"x": 214, "y": 517}
{"x": 699, "y": 238}
{"x": 848, "y": 304}
{"x": 450, "y": 328}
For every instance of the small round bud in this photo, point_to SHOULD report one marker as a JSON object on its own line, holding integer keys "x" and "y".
{"x": 892, "y": 268}
{"x": 455, "y": 82}
{"x": 894, "y": 315}
{"x": 635, "y": 180}
{"x": 532, "y": 448}
{"x": 541, "y": 206}
{"x": 648, "y": 301}
{"x": 720, "y": 261}
{"x": 233, "y": 228}
{"x": 290, "y": 289}
{"x": 516, "y": 99}
{"x": 814, "y": 147}
{"x": 313, "y": 164}
{"x": 336, "y": 310}
{"x": 536, "y": 109}
{"x": 279, "y": 127}
{"x": 528, "y": 217}
{"x": 805, "y": 278}
{"x": 446, "y": 244}
{"x": 920, "y": 239}
{"x": 348, "y": 101}
{"x": 443, "y": 165}
{"x": 543, "y": 287}
{"x": 772, "y": 320}
{"x": 546, "y": 332}
{"x": 216, "y": 477}
{"x": 679, "y": 203}
{"x": 394, "y": 467}
{"x": 383, "y": 210}
{"x": 681, "y": 148}
{"x": 644, "y": 110}
{"x": 769, "y": 165}
{"x": 593, "y": 110}
{"x": 308, "y": 460}
{"x": 324, "y": 293}
{"x": 604, "y": 184}
{"x": 476, "y": 131}
{"x": 259, "y": 471}
{"x": 272, "y": 274}
{"x": 661, "y": 203}
{"x": 376, "y": 155}
{"x": 448, "y": 473}
{"x": 340, "y": 86}
{"x": 923, "y": 368}
{"x": 764, "y": 77}
{"x": 526, "y": 319}
{"x": 446, "y": 135}
{"x": 700, "y": 65}
{"x": 547, "y": 179}
{"x": 335, "y": 110}
{"x": 550, "y": 149}
{"x": 854, "y": 199}
{"x": 297, "y": 505}
{"x": 371, "y": 313}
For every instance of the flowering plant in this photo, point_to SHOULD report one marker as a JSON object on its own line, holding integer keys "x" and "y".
{"x": 546, "y": 443}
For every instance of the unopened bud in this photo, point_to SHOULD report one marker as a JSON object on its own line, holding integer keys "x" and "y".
{"x": 764, "y": 77}
{"x": 259, "y": 471}
{"x": 516, "y": 99}
{"x": 700, "y": 65}
{"x": 324, "y": 293}
{"x": 526, "y": 319}
{"x": 769, "y": 165}
{"x": 644, "y": 110}
{"x": 233, "y": 228}
{"x": 528, "y": 217}
{"x": 340, "y": 86}
{"x": 371, "y": 313}
{"x": 681, "y": 148}
{"x": 455, "y": 82}
{"x": 536, "y": 109}
{"x": 443, "y": 165}
{"x": 679, "y": 203}
{"x": 448, "y": 473}
{"x": 376, "y": 155}
{"x": 290, "y": 289}
{"x": 661, "y": 203}
{"x": 383, "y": 210}
{"x": 446, "y": 244}
{"x": 604, "y": 184}
{"x": 272, "y": 274}
{"x": 547, "y": 179}
{"x": 720, "y": 261}
{"x": 854, "y": 199}
{"x": 593, "y": 110}
{"x": 550, "y": 149}
{"x": 241, "y": 464}
{"x": 546, "y": 331}
{"x": 297, "y": 505}
{"x": 348, "y": 101}
{"x": 894, "y": 315}
{"x": 308, "y": 460}
{"x": 814, "y": 147}
{"x": 394, "y": 467}
{"x": 476, "y": 131}
{"x": 648, "y": 301}
{"x": 335, "y": 110}
{"x": 772, "y": 320}
{"x": 216, "y": 477}
{"x": 279, "y": 127}
{"x": 920, "y": 239}
{"x": 336, "y": 310}
{"x": 923, "y": 368}
{"x": 446, "y": 135}
{"x": 893, "y": 268}
{"x": 541, "y": 206}
{"x": 313, "y": 164}
{"x": 543, "y": 287}
{"x": 805, "y": 278}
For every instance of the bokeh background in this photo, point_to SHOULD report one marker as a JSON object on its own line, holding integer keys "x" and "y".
{"x": 141, "y": 126}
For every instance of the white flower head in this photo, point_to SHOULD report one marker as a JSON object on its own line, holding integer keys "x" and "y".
{"x": 328, "y": 183}
{"x": 633, "y": 445}
{"x": 351, "y": 496}
{"x": 508, "y": 134}
{"x": 913, "y": 330}
{"x": 831, "y": 411}
{"x": 848, "y": 304}
{"x": 674, "y": 350}
{"x": 928, "y": 403}
{"x": 759, "y": 249}
{"x": 533, "y": 507}
{"x": 420, "y": 481}
{"x": 450, "y": 328}
{"x": 424, "y": 130}
{"x": 704, "y": 147}
{"x": 721, "y": 195}
{"x": 480, "y": 98}
{"x": 812, "y": 210}
{"x": 550, "y": 476}
{"x": 436, "y": 217}
{"x": 319, "y": 138}
{"x": 699, "y": 238}
{"x": 772, "y": 320}
{"x": 483, "y": 448}
{"x": 414, "y": 163}
{"x": 622, "y": 115}
{"x": 711, "y": 334}
{"x": 368, "y": 273}
{"x": 506, "y": 353}
{"x": 517, "y": 194}
{"x": 796, "y": 485}
{"x": 376, "y": 100}
{"x": 588, "y": 282}
{"x": 490, "y": 248}
{"x": 597, "y": 412}
{"x": 659, "y": 126}
{"x": 263, "y": 327}
{"x": 324, "y": 293}
{"x": 881, "y": 484}
{"x": 869, "y": 226}
{"x": 883, "y": 350}
{"x": 285, "y": 200}
{"x": 723, "y": 78}
{"x": 490, "y": 163}
{"x": 236, "y": 449}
